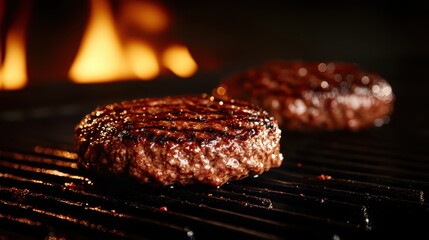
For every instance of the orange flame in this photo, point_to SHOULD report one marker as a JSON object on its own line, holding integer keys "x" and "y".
{"x": 105, "y": 55}
{"x": 127, "y": 46}
{"x": 13, "y": 71}
{"x": 100, "y": 57}
{"x": 143, "y": 60}
{"x": 178, "y": 59}
{"x": 144, "y": 15}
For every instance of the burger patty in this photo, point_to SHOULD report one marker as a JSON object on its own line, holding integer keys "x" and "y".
{"x": 307, "y": 96}
{"x": 179, "y": 140}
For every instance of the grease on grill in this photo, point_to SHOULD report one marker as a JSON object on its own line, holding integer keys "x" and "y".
{"x": 323, "y": 177}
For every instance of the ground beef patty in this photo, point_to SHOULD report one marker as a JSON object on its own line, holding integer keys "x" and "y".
{"x": 179, "y": 140}
{"x": 307, "y": 96}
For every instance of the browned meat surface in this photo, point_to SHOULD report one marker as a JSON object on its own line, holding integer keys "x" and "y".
{"x": 306, "y": 96}
{"x": 179, "y": 140}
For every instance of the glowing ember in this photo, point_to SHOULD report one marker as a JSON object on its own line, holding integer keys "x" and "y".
{"x": 163, "y": 209}
{"x": 323, "y": 177}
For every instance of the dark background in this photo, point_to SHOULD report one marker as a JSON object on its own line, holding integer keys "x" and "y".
{"x": 381, "y": 36}
{"x": 391, "y": 39}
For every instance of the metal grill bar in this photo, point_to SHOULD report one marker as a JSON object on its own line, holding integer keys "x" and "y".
{"x": 45, "y": 192}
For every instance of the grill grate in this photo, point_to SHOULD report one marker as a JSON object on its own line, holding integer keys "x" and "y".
{"x": 326, "y": 189}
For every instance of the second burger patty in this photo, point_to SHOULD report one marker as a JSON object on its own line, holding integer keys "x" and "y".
{"x": 179, "y": 140}
{"x": 308, "y": 96}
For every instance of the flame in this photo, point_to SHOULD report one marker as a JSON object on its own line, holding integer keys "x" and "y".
{"x": 144, "y": 15}
{"x": 179, "y": 60}
{"x": 13, "y": 72}
{"x": 143, "y": 60}
{"x": 107, "y": 54}
{"x": 126, "y": 45}
{"x": 100, "y": 57}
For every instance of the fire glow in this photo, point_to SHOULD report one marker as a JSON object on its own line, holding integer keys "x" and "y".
{"x": 109, "y": 50}
{"x": 105, "y": 55}
{"x": 13, "y": 67}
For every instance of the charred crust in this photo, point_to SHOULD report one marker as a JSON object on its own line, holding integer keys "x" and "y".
{"x": 179, "y": 140}
{"x": 307, "y": 96}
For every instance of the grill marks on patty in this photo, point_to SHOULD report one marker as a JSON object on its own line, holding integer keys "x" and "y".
{"x": 191, "y": 121}
{"x": 166, "y": 132}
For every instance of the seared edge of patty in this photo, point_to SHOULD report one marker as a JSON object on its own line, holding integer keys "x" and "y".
{"x": 179, "y": 140}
